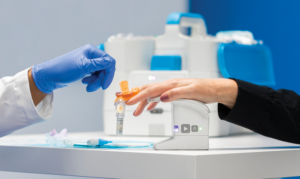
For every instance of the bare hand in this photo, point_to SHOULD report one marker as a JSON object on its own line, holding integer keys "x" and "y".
{"x": 204, "y": 90}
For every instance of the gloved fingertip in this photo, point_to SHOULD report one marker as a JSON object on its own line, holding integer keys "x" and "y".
{"x": 94, "y": 85}
{"x": 83, "y": 81}
{"x": 104, "y": 88}
{"x": 90, "y": 88}
{"x": 107, "y": 80}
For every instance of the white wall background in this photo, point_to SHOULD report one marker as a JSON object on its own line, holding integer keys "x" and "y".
{"x": 34, "y": 31}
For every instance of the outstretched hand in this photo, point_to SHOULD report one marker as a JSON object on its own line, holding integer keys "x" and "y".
{"x": 204, "y": 90}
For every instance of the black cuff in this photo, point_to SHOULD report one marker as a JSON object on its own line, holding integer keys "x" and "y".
{"x": 223, "y": 111}
{"x": 249, "y": 109}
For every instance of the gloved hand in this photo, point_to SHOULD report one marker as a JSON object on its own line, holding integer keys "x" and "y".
{"x": 73, "y": 66}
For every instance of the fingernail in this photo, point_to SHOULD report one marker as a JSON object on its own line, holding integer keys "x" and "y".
{"x": 118, "y": 93}
{"x": 134, "y": 113}
{"x": 164, "y": 98}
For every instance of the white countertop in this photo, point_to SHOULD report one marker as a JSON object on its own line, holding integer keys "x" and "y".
{"x": 241, "y": 156}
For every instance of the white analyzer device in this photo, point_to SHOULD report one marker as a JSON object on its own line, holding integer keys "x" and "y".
{"x": 150, "y": 123}
{"x": 144, "y": 60}
{"x": 190, "y": 122}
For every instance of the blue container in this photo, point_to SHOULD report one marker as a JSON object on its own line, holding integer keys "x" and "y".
{"x": 166, "y": 62}
{"x": 252, "y": 63}
{"x": 101, "y": 47}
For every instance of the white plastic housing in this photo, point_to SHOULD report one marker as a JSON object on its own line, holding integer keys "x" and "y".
{"x": 131, "y": 54}
{"x": 172, "y": 43}
{"x": 198, "y": 27}
{"x": 147, "y": 124}
{"x": 199, "y": 58}
{"x": 202, "y": 55}
{"x": 187, "y": 116}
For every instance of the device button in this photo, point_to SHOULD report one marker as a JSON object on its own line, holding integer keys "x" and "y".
{"x": 185, "y": 128}
{"x": 194, "y": 128}
{"x": 157, "y": 111}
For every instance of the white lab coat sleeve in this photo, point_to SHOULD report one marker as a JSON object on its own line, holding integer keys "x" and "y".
{"x": 17, "y": 109}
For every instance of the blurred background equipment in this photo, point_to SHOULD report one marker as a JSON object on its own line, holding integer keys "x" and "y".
{"x": 143, "y": 60}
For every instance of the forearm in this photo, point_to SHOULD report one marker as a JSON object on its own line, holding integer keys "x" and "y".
{"x": 36, "y": 94}
{"x": 226, "y": 92}
{"x": 17, "y": 109}
{"x": 266, "y": 111}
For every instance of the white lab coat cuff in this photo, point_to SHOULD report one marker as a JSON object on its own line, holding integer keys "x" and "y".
{"x": 25, "y": 102}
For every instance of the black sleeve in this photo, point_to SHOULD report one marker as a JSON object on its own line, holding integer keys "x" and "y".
{"x": 272, "y": 113}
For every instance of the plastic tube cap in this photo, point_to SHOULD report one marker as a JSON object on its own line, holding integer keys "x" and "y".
{"x": 97, "y": 142}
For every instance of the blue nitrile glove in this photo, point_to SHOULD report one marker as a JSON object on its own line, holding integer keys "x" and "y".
{"x": 73, "y": 66}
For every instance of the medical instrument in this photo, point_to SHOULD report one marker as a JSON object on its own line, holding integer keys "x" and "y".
{"x": 73, "y": 66}
{"x": 97, "y": 142}
{"x": 113, "y": 144}
{"x": 125, "y": 95}
{"x": 145, "y": 60}
{"x": 101, "y": 143}
{"x": 190, "y": 126}
{"x": 54, "y": 138}
{"x": 107, "y": 143}
{"x": 120, "y": 114}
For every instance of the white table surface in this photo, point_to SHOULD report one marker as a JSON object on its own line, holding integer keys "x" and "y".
{"x": 241, "y": 157}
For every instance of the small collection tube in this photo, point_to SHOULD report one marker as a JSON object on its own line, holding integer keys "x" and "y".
{"x": 125, "y": 95}
{"x": 120, "y": 114}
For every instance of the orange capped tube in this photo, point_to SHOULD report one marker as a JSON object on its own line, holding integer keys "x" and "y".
{"x": 120, "y": 104}
{"x": 126, "y": 94}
